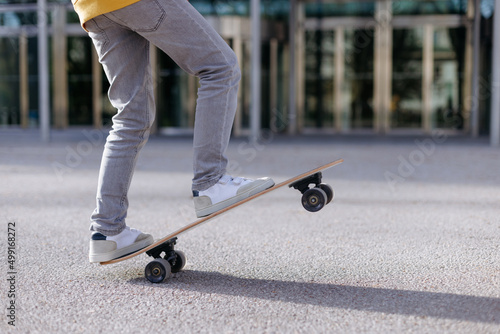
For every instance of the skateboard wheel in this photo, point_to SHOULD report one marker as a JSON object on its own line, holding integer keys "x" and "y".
{"x": 328, "y": 190}
{"x": 314, "y": 199}
{"x": 180, "y": 261}
{"x": 157, "y": 270}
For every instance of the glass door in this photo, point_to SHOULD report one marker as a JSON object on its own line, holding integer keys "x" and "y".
{"x": 447, "y": 92}
{"x": 407, "y": 60}
{"x": 319, "y": 76}
{"x": 358, "y": 80}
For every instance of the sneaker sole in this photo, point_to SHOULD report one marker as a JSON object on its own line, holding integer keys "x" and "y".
{"x": 103, "y": 257}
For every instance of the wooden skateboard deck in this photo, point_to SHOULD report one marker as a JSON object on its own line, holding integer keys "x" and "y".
{"x": 312, "y": 202}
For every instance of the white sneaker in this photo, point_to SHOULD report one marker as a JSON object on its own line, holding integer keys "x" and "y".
{"x": 103, "y": 248}
{"x": 228, "y": 191}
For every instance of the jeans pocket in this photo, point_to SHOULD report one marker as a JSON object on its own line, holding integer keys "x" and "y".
{"x": 97, "y": 34}
{"x": 142, "y": 16}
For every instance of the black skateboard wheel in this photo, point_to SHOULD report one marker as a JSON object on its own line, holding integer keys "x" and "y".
{"x": 314, "y": 199}
{"x": 157, "y": 270}
{"x": 328, "y": 190}
{"x": 180, "y": 261}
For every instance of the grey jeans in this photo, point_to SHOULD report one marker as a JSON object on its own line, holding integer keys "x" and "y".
{"x": 122, "y": 41}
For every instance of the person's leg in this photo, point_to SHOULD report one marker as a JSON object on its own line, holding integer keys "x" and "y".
{"x": 180, "y": 31}
{"x": 125, "y": 59}
{"x": 198, "y": 49}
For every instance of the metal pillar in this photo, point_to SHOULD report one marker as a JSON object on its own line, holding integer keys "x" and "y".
{"x": 96, "y": 90}
{"x": 256, "y": 72}
{"x": 273, "y": 83}
{"x": 427, "y": 78}
{"x": 382, "y": 86}
{"x": 23, "y": 79}
{"x": 474, "y": 107}
{"x": 495, "y": 83}
{"x": 292, "y": 106}
{"x": 59, "y": 71}
{"x": 338, "y": 80}
{"x": 43, "y": 71}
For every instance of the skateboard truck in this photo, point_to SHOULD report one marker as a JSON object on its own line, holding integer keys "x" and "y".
{"x": 315, "y": 198}
{"x": 162, "y": 266}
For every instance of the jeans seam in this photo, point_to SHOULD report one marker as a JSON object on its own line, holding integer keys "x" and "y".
{"x": 124, "y": 24}
{"x": 160, "y": 20}
{"x": 102, "y": 33}
{"x": 141, "y": 138}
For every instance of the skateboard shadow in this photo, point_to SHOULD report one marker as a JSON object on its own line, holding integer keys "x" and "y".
{"x": 389, "y": 301}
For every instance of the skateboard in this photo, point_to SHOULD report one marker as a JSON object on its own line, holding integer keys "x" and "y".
{"x": 167, "y": 260}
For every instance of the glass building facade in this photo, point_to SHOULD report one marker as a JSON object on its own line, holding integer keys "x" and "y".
{"x": 360, "y": 66}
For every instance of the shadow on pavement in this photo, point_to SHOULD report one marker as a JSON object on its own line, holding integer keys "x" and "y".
{"x": 389, "y": 301}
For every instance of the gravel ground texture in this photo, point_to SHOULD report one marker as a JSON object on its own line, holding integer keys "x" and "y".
{"x": 411, "y": 242}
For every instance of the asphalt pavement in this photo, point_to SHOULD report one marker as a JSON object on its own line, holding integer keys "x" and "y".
{"x": 410, "y": 243}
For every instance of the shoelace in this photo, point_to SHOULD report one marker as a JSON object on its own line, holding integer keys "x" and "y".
{"x": 236, "y": 180}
